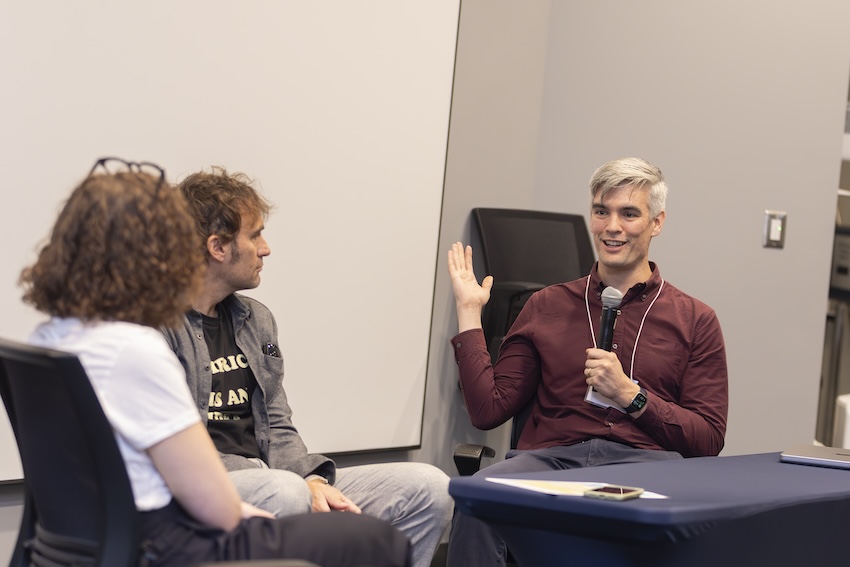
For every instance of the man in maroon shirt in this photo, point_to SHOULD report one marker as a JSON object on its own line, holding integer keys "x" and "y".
{"x": 660, "y": 393}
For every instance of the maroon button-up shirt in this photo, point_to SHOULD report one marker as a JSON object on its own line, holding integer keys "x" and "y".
{"x": 679, "y": 358}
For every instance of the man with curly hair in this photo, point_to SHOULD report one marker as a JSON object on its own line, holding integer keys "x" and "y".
{"x": 228, "y": 344}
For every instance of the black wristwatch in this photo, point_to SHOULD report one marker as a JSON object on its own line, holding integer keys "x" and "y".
{"x": 637, "y": 402}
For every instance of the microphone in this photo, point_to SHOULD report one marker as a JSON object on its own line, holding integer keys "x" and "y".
{"x": 611, "y": 299}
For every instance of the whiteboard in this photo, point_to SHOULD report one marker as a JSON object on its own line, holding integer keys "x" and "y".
{"x": 338, "y": 109}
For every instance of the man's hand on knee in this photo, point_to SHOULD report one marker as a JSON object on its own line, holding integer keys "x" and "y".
{"x": 327, "y": 498}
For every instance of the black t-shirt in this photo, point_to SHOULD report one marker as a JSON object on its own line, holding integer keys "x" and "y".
{"x": 230, "y": 420}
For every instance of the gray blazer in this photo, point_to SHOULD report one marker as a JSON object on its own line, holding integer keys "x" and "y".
{"x": 254, "y": 326}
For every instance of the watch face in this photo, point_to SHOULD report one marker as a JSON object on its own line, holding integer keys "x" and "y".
{"x": 637, "y": 403}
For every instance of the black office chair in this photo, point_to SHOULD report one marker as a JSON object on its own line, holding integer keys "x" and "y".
{"x": 78, "y": 504}
{"x": 524, "y": 251}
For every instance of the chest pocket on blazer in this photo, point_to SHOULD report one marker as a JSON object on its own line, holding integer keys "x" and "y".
{"x": 270, "y": 374}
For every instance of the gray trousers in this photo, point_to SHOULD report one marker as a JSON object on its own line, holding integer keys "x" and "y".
{"x": 413, "y": 497}
{"x": 473, "y": 543}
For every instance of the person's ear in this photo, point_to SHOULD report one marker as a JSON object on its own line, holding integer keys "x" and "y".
{"x": 658, "y": 223}
{"x": 216, "y": 247}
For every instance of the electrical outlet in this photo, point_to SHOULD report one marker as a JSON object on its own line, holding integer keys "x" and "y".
{"x": 774, "y": 229}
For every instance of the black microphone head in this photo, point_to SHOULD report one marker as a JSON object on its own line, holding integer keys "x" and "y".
{"x": 611, "y": 297}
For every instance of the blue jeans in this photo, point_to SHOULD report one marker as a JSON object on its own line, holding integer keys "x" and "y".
{"x": 413, "y": 497}
{"x": 473, "y": 543}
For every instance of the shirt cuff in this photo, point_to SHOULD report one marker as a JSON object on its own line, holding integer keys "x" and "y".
{"x": 310, "y": 477}
{"x": 469, "y": 342}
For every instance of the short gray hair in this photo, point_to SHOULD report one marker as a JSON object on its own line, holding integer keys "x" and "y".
{"x": 633, "y": 172}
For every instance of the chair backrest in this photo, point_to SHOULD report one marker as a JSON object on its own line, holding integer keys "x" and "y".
{"x": 79, "y": 507}
{"x": 526, "y": 251}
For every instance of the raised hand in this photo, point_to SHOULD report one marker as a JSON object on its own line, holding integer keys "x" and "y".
{"x": 470, "y": 296}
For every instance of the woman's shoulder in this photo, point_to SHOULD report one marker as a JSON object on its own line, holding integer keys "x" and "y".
{"x": 75, "y": 334}
{"x": 132, "y": 344}
{"x": 134, "y": 336}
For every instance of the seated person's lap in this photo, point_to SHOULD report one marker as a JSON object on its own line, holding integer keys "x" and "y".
{"x": 594, "y": 452}
{"x": 280, "y": 492}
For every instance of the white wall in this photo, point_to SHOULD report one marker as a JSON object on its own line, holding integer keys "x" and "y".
{"x": 339, "y": 110}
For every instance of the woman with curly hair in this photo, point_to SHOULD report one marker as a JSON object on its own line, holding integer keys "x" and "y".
{"x": 123, "y": 259}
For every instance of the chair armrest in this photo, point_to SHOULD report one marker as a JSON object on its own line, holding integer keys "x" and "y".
{"x": 468, "y": 457}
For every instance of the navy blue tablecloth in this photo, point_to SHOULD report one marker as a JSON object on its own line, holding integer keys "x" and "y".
{"x": 750, "y": 492}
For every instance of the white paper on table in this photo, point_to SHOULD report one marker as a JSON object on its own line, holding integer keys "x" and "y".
{"x": 560, "y": 487}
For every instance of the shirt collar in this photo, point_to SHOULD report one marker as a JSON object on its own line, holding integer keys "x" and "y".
{"x": 641, "y": 291}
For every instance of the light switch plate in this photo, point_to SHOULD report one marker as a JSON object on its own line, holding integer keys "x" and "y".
{"x": 774, "y": 229}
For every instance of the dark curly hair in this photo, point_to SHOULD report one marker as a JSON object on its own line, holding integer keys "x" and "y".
{"x": 124, "y": 248}
{"x": 219, "y": 201}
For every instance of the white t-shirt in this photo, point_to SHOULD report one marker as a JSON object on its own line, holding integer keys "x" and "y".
{"x": 141, "y": 387}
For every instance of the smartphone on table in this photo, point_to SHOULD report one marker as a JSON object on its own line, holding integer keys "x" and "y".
{"x": 614, "y": 492}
